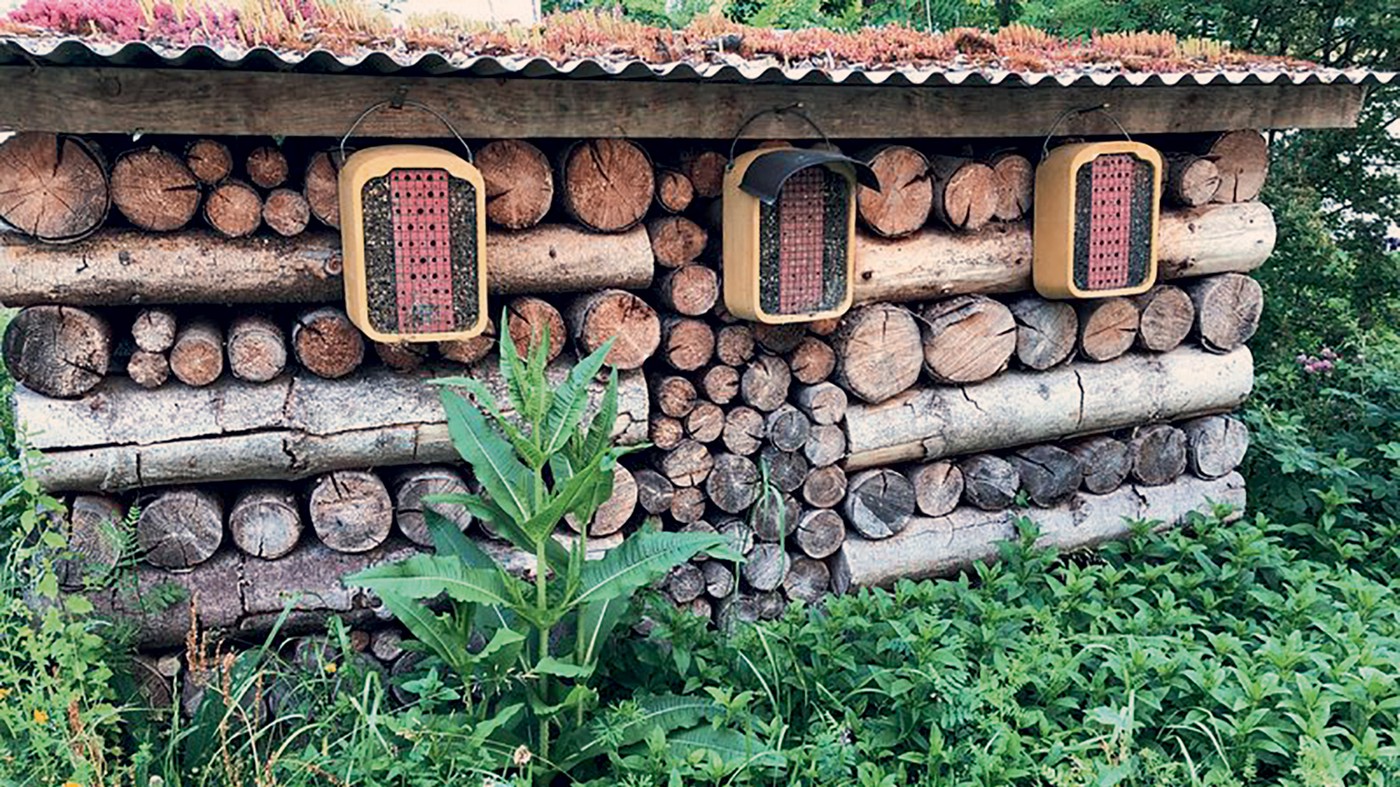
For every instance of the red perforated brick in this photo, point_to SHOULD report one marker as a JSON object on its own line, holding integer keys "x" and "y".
{"x": 802, "y": 233}
{"x": 1110, "y": 222}
{"x": 422, "y": 249}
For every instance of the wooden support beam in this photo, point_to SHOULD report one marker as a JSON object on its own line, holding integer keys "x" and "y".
{"x": 172, "y": 101}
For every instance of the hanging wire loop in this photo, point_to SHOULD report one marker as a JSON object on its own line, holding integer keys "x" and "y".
{"x": 1076, "y": 112}
{"x": 396, "y": 103}
{"x": 790, "y": 109}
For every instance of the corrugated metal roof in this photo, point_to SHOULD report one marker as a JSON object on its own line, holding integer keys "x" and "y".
{"x": 724, "y": 68}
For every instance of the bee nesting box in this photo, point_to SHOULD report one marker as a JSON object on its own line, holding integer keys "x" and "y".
{"x": 789, "y": 232}
{"x": 1096, "y": 212}
{"x": 413, "y": 232}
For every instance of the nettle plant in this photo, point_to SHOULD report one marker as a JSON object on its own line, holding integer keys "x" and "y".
{"x": 526, "y": 649}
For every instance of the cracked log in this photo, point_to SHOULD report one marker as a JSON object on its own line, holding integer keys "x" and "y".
{"x": 1106, "y": 462}
{"x": 287, "y": 212}
{"x": 938, "y": 486}
{"x": 1227, "y": 310}
{"x": 1107, "y": 328}
{"x": 967, "y": 338}
{"x": 197, "y": 359}
{"x": 616, "y": 511}
{"x": 1165, "y": 317}
{"x": 654, "y": 490}
{"x": 53, "y": 188}
{"x": 628, "y": 320}
{"x": 720, "y": 384}
{"x": 743, "y": 430}
{"x": 411, "y": 486}
{"x": 295, "y": 426}
{"x": 58, "y": 351}
{"x": 1190, "y": 180}
{"x": 96, "y": 533}
{"x": 936, "y": 263}
{"x": 180, "y": 528}
{"x": 265, "y": 520}
{"x": 519, "y": 183}
{"x": 807, "y": 580}
{"x": 691, "y": 289}
{"x": 1046, "y": 331}
{"x": 1159, "y": 454}
{"x": 209, "y": 160}
{"x": 257, "y": 348}
{"x": 606, "y": 184}
{"x": 125, "y": 266}
{"x": 1048, "y": 474}
{"x": 529, "y": 320}
{"x": 154, "y": 190}
{"x": 233, "y": 209}
{"x": 148, "y": 370}
{"x": 705, "y": 423}
{"x": 266, "y": 166}
{"x": 1020, "y": 408}
{"x": 878, "y": 502}
{"x": 1215, "y": 444}
{"x": 322, "y": 186}
{"x": 989, "y": 482}
{"x": 765, "y": 383}
{"x": 327, "y": 343}
{"x": 820, "y": 532}
{"x": 904, "y": 200}
{"x": 154, "y": 329}
{"x": 1015, "y": 184}
{"x": 676, "y": 241}
{"x": 674, "y": 192}
{"x": 878, "y": 352}
{"x": 350, "y": 510}
{"x": 1242, "y": 160}
{"x": 943, "y": 546}
{"x": 966, "y": 193}
{"x": 787, "y": 470}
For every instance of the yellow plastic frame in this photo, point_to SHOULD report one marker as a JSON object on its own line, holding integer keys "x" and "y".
{"x": 1055, "y": 184}
{"x": 366, "y": 165}
{"x": 741, "y": 252}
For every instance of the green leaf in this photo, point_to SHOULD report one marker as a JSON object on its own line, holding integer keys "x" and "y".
{"x": 665, "y": 713}
{"x": 555, "y": 555}
{"x": 735, "y": 749}
{"x": 448, "y": 540}
{"x": 578, "y": 487}
{"x": 485, "y": 399}
{"x": 504, "y": 647}
{"x": 561, "y": 669}
{"x": 426, "y": 576}
{"x": 512, "y": 370}
{"x": 570, "y": 400}
{"x": 434, "y": 631}
{"x": 600, "y": 433}
{"x": 642, "y": 559}
{"x": 510, "y": 484}
{"x": 596, "y": 621}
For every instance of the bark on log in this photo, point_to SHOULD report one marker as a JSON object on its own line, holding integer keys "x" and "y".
{"x": 327, "y": 343}
{"x": 765, "y": 382}
{"x": 690, "y": 289}
{"x": 687, "y": 343}
{"x": 779, "y": 339}
{"x": 773, "y": 517}
{"x": 96, "y": 533}
{"x": 824, "y": 487}
{"x": 904, "y": 200}
{"x": 1215, "y": 444}
{"x": 148, "y": 370}
{"x": 52, "y": 188}
{"x": 1046, "y": 331}
{"x": 654, "y": 490}
{"x": 878, "y": 502}
{"x": 705, "y": 169}
{"x": 257, "y": 348}
{"x": 787, "y": 470}
{"x": 824, "y": 403}
{"x": 1242, "y": 159}
{"x": 619, "y": 315}
{"x": 616, "y": 511}
{"x": 766, "y": 567}
{"x": 197, "y": 359}
{"x": 153, "y": 330}
{"x": 705, "y": 423}
{"x": 820, "y": 533}
{"x": 935, "y": 263}
{"x": 878, "y": 352}
{"x": 154, "y": 189}
{"x": 812, "y": 361}
{"x": 938, "y": 487}
{"x": 1227, "y": 310}
{"x": 688, "y": 464}
{"x": 825, "y": 445}
{"x": 674, "y": 192}
{"x": 292, "y": 427}
{"x": 967, "y": 339}
{"x": 519, "y": 183}
{"x": 350, "y": 510}
{"x": 287, "y": 212}
{"x": 125, "y": 266}
{"x": 266, "y": 167}
{"x": 676, "y": 241}
{"x": 719, "y": 578}
{"x": 58, "y": 351}
{"x": 233, "y": 209}
{"x": 743, "y": 430}
{"x": 1021, "y": 408}
{"x": 606, "y": 184}
{"x": 1106, "y": 462}
{"x": 1015, "y": 179}
{"x": 209, "y": 160}
{"x": 720, "y": 384}
{"x": 1048, "y": 474}
{"x": 1165, "y": 316}
{"x": 675, "y": 395}
{"x": 402, "y": 356}
{"x": 470, "y": 351}
{"x": 180, "y": 528}
{"x": 965, "y": 192}
{"x": 733, "y": 484}
{"x": 265, "y": 521}
{"x": 1159, "y": 454}
{"x": 666, "y": 432}
{"x": 787, "y": 428}
{"x": 530, "y": 320}
{"x": 688, "y": 505}
{"x": 1107, "y": 328}
{"x": 734, "y": 345}
{"x": 1190, "y": 180}
{"x": 944, "y": 546}
{"x": 411, "y": 486}
{"x": 989, "y": 482}
{"x": 807, "y": 580}
{"x": 322, "y": 187}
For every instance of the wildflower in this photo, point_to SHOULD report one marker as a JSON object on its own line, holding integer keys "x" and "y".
{"x": 71, "y": 784}
{"x": 40, "y": 716}
{"x": 331, "y": 668}
{"x": 4, "y": 693}
{"x": 521, "y": 757}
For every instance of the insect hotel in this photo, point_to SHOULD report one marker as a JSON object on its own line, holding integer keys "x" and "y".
{"x": 867, "y": 313}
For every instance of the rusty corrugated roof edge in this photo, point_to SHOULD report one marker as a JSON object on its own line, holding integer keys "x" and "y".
{"x": 58, "y": 51}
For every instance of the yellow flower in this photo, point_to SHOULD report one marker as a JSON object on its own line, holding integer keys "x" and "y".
{"x": 4, "y": 693}
{"x": 331, "y": 668}
{"x": 40, "y": 717}
{"x": 71, "y": 784}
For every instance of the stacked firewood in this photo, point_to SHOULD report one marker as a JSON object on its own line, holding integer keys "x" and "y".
{"x": 833, "y": 454}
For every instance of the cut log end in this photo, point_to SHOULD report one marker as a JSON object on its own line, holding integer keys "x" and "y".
{"x": 904, "y": 200}
{"x": 519, "y": 183}
{"x": 257, "y": 348}
{"x": 327, "y": 343}
{"x": 265, "y": 521}
{"x": 878, "y": 352}
{"x": 1228, "y": 308}
{"x": 1242, "y": 160}
{"x": 607, "y": 184}
{"x": 1107, "y": 328}
{"x": 209, "y": 160}
{"x": 621, "y": 316}
{"x": 1015, "y": 180}
{"x": 350, "y": 510}
{"x": 197, "y": 359}
{"x": 938, "y": 487}
{"x": 413, "y": 486}
{"x": 234, "y": 209}
{"x": 287, "y": 212}
{"x": 531, "y": 321}
{"x": 58, "y": 351}
{"x": 154, "y": 189}
{"x": 879, "y": 502}
{"x": 52, "y": 188}
{"x": 266, "y": 167}
{"x": 674, "y": 191}
{"x": 967, "y": 339}
{"x": 180, "y": 528}
{"x": 676, "y": 240}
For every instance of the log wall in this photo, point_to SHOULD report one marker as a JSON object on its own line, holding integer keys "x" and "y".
{"x": 190, "y": 357}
